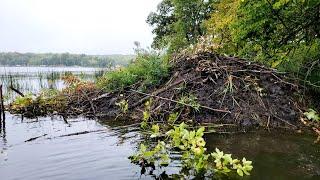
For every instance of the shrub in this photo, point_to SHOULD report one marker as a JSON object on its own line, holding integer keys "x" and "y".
{"x": 148, "y": 69}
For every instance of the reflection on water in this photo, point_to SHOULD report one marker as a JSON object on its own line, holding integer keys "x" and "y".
{"x": 49, "y": 148}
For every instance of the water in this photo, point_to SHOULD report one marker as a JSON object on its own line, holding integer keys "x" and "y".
{"x": 49, "y": 148}
{"x": 32, "y": 79}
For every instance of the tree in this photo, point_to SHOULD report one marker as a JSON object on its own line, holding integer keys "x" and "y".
{"x": 179, "y": 23}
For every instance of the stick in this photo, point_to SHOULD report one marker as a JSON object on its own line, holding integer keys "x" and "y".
{"x": 163, "y": 98}
{"x": 161, "y": 90}
{"x": 35, "y": 138}
{"x": 2, "y": 106}
{"x": 0, "y": 111}
{"x": 284, "y": 121}
{"x": 17, "y": 91}
{"x": 101, "y": 96}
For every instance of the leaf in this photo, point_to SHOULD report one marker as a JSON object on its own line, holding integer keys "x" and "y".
{"x": 239, "y": 171}
{"x": 155, "y": 128}
{"x": 276, "y": 63}
{"x": 143, "y": 148}
{"x": 312, "y": 115}
{"x": 200, "y": 132}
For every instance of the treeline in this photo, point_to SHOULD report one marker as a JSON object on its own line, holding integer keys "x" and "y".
{"x": 283, "y": 34}
{"x": 63, "y": 59}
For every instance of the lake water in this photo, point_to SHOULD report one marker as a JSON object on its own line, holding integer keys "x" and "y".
{"x": 48, "y": 148}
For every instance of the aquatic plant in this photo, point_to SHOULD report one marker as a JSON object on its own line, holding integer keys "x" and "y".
{"x": 194, "y": 159}
{"x": 158, "y": 154}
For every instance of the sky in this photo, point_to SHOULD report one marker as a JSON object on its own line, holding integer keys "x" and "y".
{"x": 75, "y": 26}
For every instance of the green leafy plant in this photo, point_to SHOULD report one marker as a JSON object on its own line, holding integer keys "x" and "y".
{"x": 155, "y": 131}
{"x": 123, "y": 105}
{"x": 173, "y": 118}
{"x": 146, "y": 115}
{"x": 148, "y": 69}
{"x": 145, "y": 157}
{"x": 225, "y": 163}
{"x": 190, "y": 100}
{"x": 312, "y": 115}
{"x": 22, "y": 102}
{"x": 194, "y": 156}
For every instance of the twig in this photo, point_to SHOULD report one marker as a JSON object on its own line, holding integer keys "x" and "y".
{"x": 91, "y": 104}
{"x": 294, "y": 85}
{"x": 2, "y": 107}
{"x": 268, "y": 123}
{"x": 158, "y": 92}
{"x": 17, "y": 91}
{"x": 284, "y": 121}
{"x": 80, "y": 133}
{"x": 101, "y": 96}
{"x": 35, "y": 138}
{"x": 163, "y": 98}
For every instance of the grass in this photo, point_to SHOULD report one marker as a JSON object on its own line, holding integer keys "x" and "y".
{"x": 148, "y": 69}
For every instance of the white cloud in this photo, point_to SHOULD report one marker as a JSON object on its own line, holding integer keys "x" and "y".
{"x": 76, "y": 26}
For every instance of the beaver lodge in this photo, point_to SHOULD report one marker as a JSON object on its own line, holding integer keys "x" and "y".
{"x": 201, "y": 88}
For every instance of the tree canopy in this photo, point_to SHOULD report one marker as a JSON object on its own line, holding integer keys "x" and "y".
{"x": 179, "y": 23}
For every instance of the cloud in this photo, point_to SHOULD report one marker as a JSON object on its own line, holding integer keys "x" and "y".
{"x": 76, "y": 26}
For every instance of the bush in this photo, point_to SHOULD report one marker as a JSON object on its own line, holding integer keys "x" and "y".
{"x": 148, "y": 69}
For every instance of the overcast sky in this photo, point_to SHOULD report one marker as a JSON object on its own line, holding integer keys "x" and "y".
{"x": 75, "y": 26}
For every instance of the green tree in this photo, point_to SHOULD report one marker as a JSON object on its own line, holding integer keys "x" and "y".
{"x": 179, "y": 23}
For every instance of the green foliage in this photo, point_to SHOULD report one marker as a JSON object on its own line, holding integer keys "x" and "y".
{"x": 32, "y": 106}
{"x": 178, "y": 23}
{"x": 22, "y": 102}
{"x": 63, "y": 59}
{"x": 123, "y": 105}
{"x": 147, "y": 69}
{"x": 150, "y": 157}
{"x": 283, "y": 34}
{"x": 312, "y": 115}
{"x": 146, "y": 114}
{"x": 52, "y": 101}
{"x": 225, "y": 163}
{"x": 155, "y": 131}
{"x": 194, "y": 157}
{"x": 219, "y": 25}
{"x": 173, "y": 118}
{"x": 190, "y": 100}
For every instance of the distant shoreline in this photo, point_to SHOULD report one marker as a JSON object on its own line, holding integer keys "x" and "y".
{"x": 14, "y": 59}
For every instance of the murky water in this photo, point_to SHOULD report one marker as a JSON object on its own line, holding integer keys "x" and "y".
{"x": 49, "y": 148}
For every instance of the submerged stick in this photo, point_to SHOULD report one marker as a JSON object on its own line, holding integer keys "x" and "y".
{"x": 35, "y": 138}
{"x": 163, "y": 98}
